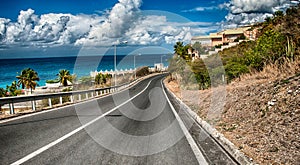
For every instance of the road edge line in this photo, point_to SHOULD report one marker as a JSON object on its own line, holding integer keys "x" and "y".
{"x": 197, "y": 152}
{"x": 219, "y": 137}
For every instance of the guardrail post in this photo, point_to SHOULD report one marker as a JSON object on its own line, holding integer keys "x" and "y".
{"x": 79, "y": 97}
{"x": 60, "y": 100}
{"x": 86, "y": 95}
{"x": 50, "y": 103}
{"x": 12, "y": 108}
{"x": 92, "y": 93}
{"x": 97, "y": 93}
{"x": 33, "y": 105}
{"x": 72, "y": 98}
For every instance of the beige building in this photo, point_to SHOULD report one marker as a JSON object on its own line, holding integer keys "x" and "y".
{"x": 226, "y": 36}
{"x": 216, "y": 39}
{"x": 204, "y": 40}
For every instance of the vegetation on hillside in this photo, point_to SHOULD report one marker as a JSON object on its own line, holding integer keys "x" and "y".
{"x": 278, "y": 41}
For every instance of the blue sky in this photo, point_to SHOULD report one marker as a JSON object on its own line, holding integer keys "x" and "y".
{"x": 10, "y": 9}
{"x": 32, "y": 28}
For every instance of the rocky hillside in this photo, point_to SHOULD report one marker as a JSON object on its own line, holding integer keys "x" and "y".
{"x": 261, "y": 115}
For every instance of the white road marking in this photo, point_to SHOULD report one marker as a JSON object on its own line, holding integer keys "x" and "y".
{"x": 198, "y": 154}
{"x": 46, "y": 147}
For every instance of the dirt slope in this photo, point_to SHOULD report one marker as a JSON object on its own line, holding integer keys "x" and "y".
{"x": 261, "y": 114}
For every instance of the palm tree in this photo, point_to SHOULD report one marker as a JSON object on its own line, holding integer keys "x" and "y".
{"x": 31, "y": 78}
{"x": 178, "y": 48}
{"x": 28, "y": 78}
{"x": 3, "y": 92}
{"x": 64, "y": 76}
{"x": 182, "y": 50}
{"x": 22, "y": 78}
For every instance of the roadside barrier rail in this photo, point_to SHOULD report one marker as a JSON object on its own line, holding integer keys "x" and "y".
{"x": 33, "y": 98}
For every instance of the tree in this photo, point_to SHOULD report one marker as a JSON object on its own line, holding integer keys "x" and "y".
{"x": 277, "y": 17}
{"x": 64, "y": 76}
{"x": 31, "y": 78}
{"x": 27, "y": 78}
{"x": 12, "y": 89}
{"x": 198, "y": 46}
{"x": 22, "y": 78}
{"x": 179, "y": 49}
{"x": 101, "y": 78}
{"x": 268, "y": 20}
{"x": 3, "y": 92}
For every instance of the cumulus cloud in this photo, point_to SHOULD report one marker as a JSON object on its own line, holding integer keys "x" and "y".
{"x": 243, "y": 12}
{"x": 119, "y": 20}
{"x": 48, "y": 29}
{"x": 124, "y": 21}
{"x": 3, "y": 25}
{"x": 157, "y": 30}
{"x": 200, "y": 8}
{"x": 127, "y": 22}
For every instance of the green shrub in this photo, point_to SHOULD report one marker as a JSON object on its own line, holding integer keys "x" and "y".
{"x": 101, "y": 79}
{"x": 219, "y": 46}
{"x": 234, "y": 70}
{"x": 142, "y": 71}
{"x": 52, "y": 81}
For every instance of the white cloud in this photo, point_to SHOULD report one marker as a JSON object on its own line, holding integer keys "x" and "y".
{"x": 201, "y": 8}
{"x": 119, "y": 20}
{"x": 125, "y": 21}
{"x": 243, "y": 12}
{"x": 3, "y": 24}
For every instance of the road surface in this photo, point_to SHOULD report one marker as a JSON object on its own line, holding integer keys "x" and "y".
{"x": 134, "y": 126}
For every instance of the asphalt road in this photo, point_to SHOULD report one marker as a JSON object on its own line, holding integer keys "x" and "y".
{"x": 135, "y": 126}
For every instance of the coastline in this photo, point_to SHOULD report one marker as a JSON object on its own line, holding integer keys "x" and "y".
{"x": 48, "y": 68}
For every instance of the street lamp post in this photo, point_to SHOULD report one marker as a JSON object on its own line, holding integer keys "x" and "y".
{"x": 115, "y": 59}
{"x": 161, "y": 63}
{"x": 115, "y": 65}
{"x": 134, "y": 65}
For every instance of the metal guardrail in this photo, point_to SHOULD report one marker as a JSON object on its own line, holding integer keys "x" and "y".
{"x": 33, "y": 98}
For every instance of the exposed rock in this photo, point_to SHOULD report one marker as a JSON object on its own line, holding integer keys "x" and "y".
{"x": 271, "y": 103}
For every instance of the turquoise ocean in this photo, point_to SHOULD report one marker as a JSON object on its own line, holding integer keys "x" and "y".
{"x": 47, "y": 68}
